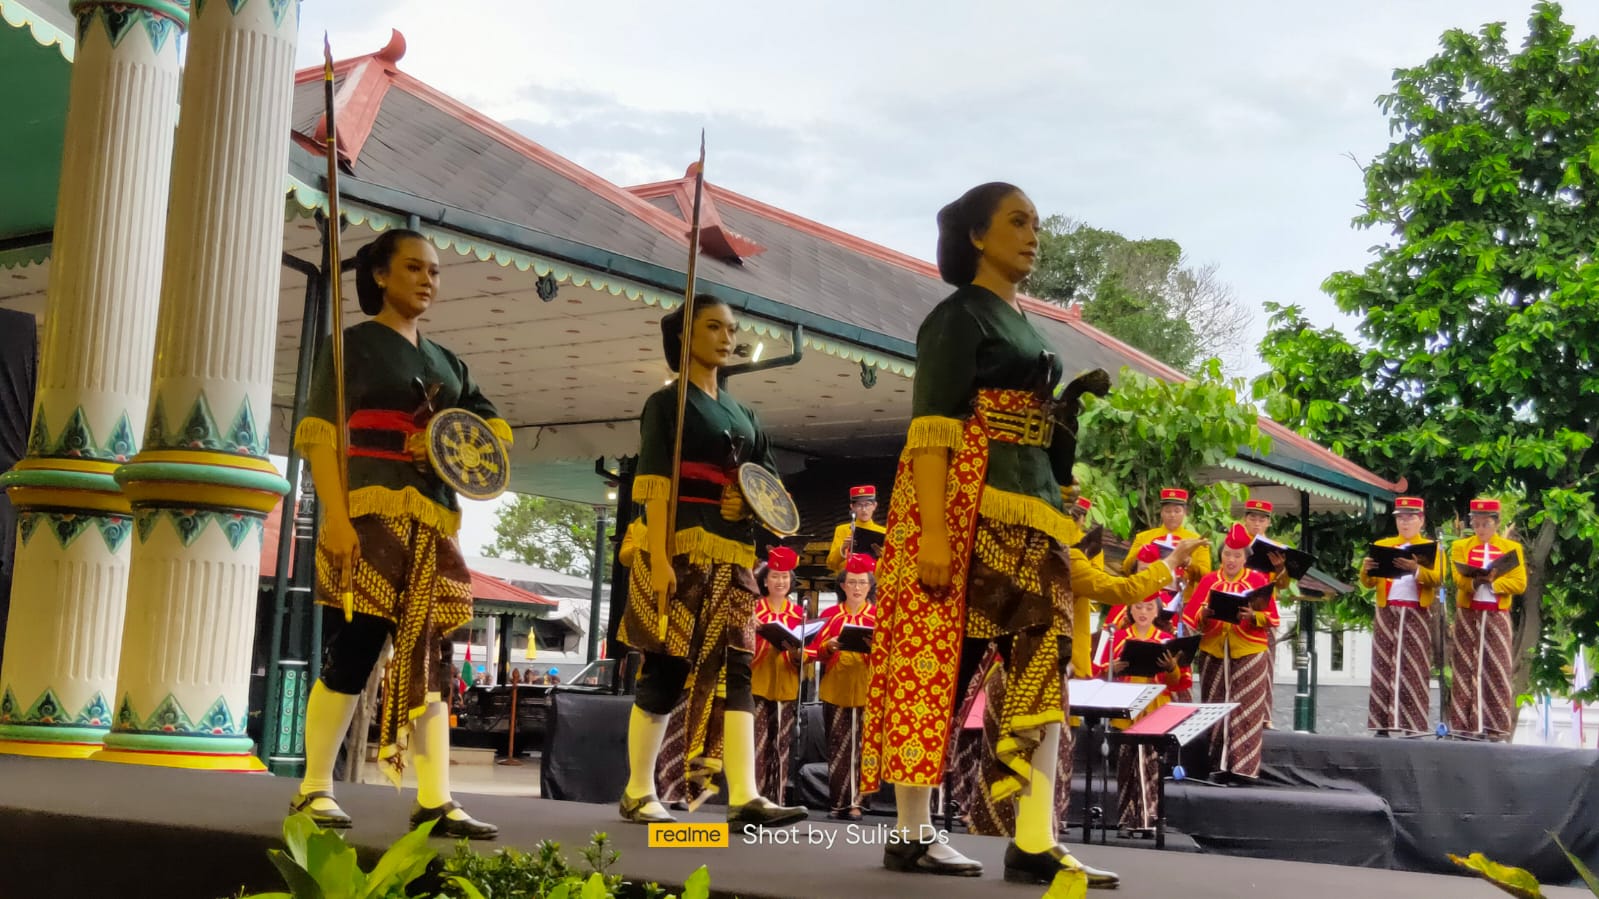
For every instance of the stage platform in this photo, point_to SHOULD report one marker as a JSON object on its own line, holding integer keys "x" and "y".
{"x": 79, "y": 828}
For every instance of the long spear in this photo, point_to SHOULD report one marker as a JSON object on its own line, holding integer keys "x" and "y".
{"x": 341, "y": 430}
{"x": 682, "y": 380}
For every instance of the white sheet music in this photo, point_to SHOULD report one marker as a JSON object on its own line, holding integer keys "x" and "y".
{"x": 1119, "y": 700}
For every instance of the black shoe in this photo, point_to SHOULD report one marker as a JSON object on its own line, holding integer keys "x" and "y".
{"x": 1041, "y": 867}
{"x": 766, "y": 813}
{"x": 468, "y": 827}
{"x": 633, "y": 810}
{"x": 336, "y": 818}
{"x": 911, "y": 855}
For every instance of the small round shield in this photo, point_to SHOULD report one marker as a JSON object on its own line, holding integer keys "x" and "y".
{"x": 466, "y": 455}
{"x": 768, "y": 500}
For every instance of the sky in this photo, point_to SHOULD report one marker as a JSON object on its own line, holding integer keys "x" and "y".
{"x": 1235, "y": 127}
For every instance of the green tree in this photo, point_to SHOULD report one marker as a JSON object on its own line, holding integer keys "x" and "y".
{"x": 550, "y": 533}
{"x": 1479, "y": 317}
{"x": 1147, "y": 433}
{"x": 1139, "y": 291}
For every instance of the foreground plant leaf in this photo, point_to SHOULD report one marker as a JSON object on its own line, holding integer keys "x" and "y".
{"x": 1515, "y": 881}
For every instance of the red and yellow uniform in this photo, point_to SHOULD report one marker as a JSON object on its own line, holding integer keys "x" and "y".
{"x": 775, "y": 682}
{"x": 846, "y": 681}
{"x": 1481, "y": 699}
{"x": 1401, "y": 655}
{"x": 1234, "y": 665}
{"x": 836, "y": 554}
{"x": 1138, "y": 767}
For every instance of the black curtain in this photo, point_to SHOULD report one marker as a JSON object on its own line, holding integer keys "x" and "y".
{"x": 19, "y": 372}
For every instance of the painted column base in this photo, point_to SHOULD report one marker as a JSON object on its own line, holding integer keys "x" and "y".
{"x": 192, "y": 753}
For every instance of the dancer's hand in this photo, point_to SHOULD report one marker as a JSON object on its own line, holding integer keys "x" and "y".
{"x": 663, "y": 580}
{"x": 933, "y": 561}
{"x": 734, "y": 508}
{"x": 338, "y": 535}
{"x": 1405, "y": 563}
{"x": 416, "y": 445}
{"x": 1167, "y": 661}
{"x": 1184, "y": 551}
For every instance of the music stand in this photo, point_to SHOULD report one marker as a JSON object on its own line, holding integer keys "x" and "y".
{"x": 1168, "y": 729}
{"x": 1098, "y": 701}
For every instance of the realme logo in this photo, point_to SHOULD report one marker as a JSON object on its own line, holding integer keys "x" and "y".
{"x": 696, "y": 836}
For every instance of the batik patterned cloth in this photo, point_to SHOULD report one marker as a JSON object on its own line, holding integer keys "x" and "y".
{"x": 774, "y": 739}
{"x": 1480, "y": 698}
{"x": 409, "y": 573}
{"x": 1246, "y": 680}
{"x": 1401, "y": 670}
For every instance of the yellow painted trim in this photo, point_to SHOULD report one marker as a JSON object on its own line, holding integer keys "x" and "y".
{"x": 41, "y": 749}
{"x": 1029, "y": 511}
{"x": 59, "y": 498}
{"x": 207, "y": 457}
{"x": 934, "y": 430}
{"x": 52, "y": 463}
{"x": 242, "y": 763}
{"x": 191, "y": 493}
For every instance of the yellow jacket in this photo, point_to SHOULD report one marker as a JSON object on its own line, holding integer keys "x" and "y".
{"x": 1427, "y": 579}
{"x": 835, "y": 555}
{"x": 1198, "y": 563}
{"x": 1469, "y": 551}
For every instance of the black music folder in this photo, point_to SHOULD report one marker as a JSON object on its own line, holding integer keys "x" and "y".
{"x": 1143, "y": 656}
{"x": 1497, "y": 568}
{"x": 855, "y": 638}
{"x": 786, "y": 638}
{"x": 1298, "y": 562}
{"x": 1225, "y": 606}
{"x": 869, "y": 542}
{"x": 1385, "y": 556}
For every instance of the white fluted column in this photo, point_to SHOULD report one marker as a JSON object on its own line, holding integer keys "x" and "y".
{"x": 202, "y": 485}
{"x": 71, "y": 579}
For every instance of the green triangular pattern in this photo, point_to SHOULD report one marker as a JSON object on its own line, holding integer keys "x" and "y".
{"x": 45, "y": 710}
{"x": 39, "y": 437}
{"x": 123, "y": 443}
{"x": 95, "y": 713}
{"x": 27, "y": 523}
{"x": 119, "y": 20}
{"x": 156, "y": 431}
{"x": 9, "y": 710}
{"x": 114, "y": 530}
{"x": 169, "y": 716}
{"x": 144, "y": 521}
{"x": 234, "y": 526}
{"x": 75, "y": 439}
{"x": 244, "y": 436}
{"x": 219, "y": 721}
{"x": 200, "y": 427}
{"x": 279, "y": 8}
{"x": 68, "y": 526}
{"x": 159, "y": 28}
{"x": 127, "y": 718}
{"x": 236, "y": 5}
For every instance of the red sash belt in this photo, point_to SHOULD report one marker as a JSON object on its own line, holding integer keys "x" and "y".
{"x": 381, "y": 434}
{"x": 1485, "y": 606}
{"x": 710, "y": 479}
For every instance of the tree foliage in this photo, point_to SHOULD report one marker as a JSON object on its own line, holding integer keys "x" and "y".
{"x": 1147, "y": 433}
{"x": 1142, "y": 292}
{"x": 550, "y": 533}
{"x": 1479, "y": 314}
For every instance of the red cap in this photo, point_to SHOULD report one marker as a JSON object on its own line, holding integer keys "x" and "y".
{"x": 1150, "y": 554}
{"x": 864, "y": 492}
{"x": 1173, "y": 495}
{"x": 1237, "y": 538}
{"x": 860, "y": 563}
{"x": 1487, "y": 506}
{"x": 1084, "y": 503}
{"x": 1258, "y": 505}
{"x": 1409, "y": 504}
{"x": 781, "y": 558}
